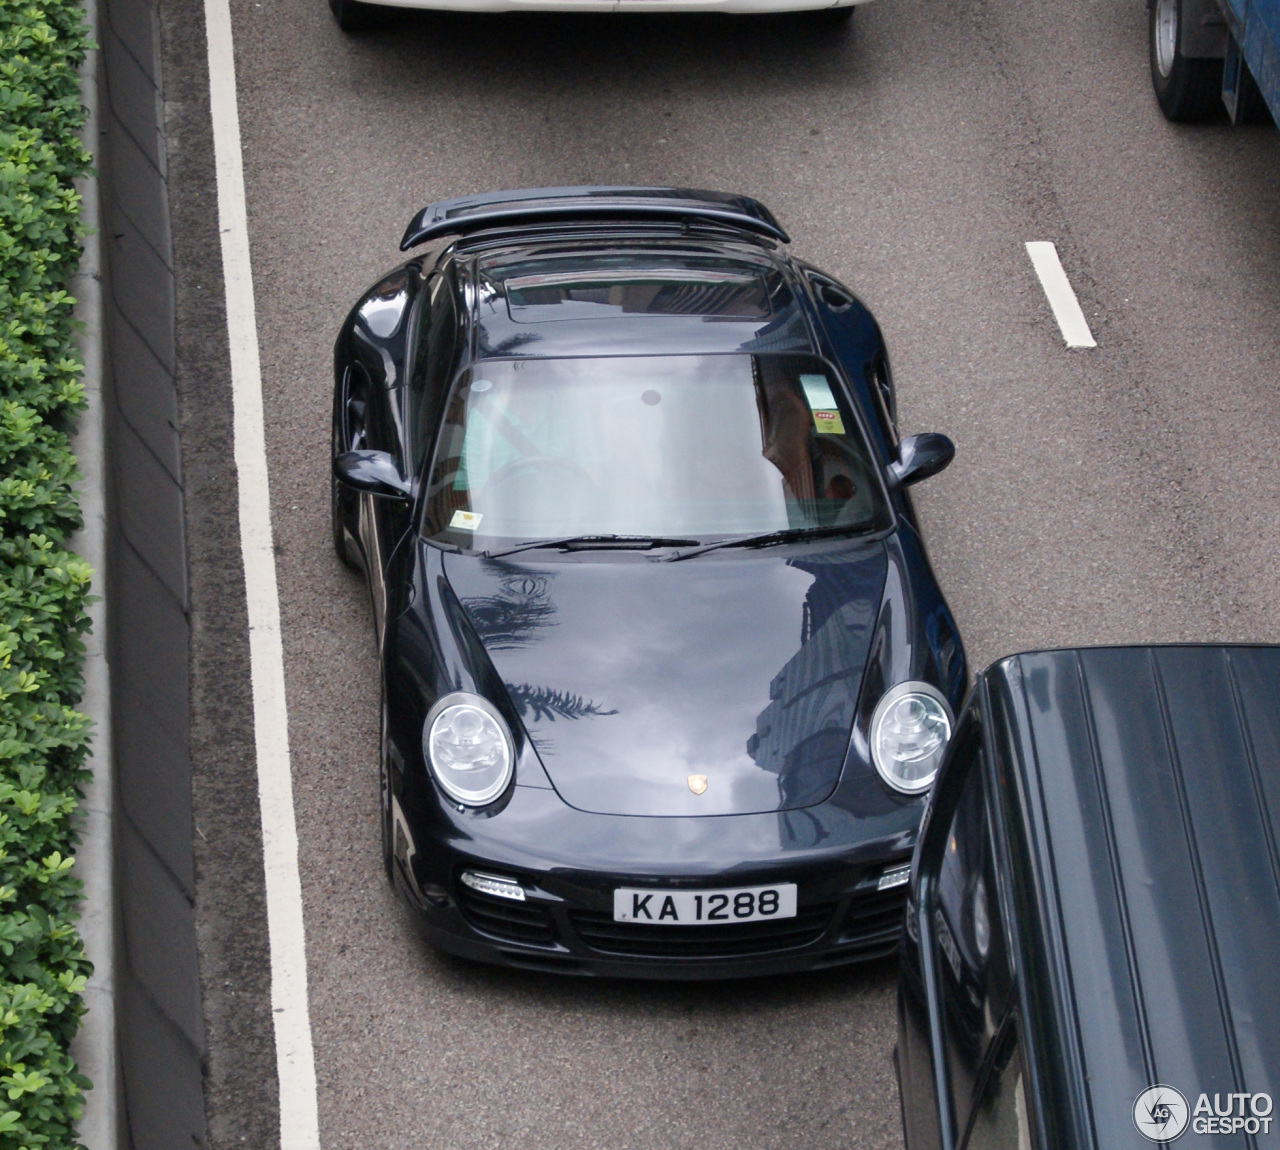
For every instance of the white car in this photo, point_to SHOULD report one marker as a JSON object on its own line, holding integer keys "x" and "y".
{"x": 356, "y": 15}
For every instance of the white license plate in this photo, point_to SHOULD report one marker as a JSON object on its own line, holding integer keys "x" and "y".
{"x": 704, "y": 907}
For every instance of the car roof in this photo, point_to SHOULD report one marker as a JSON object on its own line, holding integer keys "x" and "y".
{"x": 1145, "y": 785}
{"x": 638, "y": 292}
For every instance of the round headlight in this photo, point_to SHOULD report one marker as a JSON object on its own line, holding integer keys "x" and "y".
{"x": 909, "y": 732}
{"x": 468, "y": 748}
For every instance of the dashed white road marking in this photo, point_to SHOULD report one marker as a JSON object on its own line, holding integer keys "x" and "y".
{"x": 1066, "y": 308}
{"x": 295, "y": 1058}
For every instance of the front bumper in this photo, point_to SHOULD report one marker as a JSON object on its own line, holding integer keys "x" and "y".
{"x": 569, "y": 863}
{"x": 565, "y": 923}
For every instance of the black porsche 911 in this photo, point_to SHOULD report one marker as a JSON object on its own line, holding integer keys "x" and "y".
{"x": 666, "y": 674}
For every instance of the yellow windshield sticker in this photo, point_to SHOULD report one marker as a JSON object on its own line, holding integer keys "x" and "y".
{"x": 826, "y": 415}
{"x": 466, "y": 520}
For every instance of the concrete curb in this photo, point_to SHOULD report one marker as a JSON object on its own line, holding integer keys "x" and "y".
{"x": 95, "y": 1046}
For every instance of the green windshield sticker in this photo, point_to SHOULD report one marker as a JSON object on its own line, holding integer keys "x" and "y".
{"x": 826, "y": 415}
{"x": 818, "y": 392}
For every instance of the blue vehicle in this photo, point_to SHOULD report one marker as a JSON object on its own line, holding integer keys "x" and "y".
{"x": 1211, "y": 54}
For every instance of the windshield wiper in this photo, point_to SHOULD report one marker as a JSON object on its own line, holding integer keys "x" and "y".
{"x": 593, "y": 543}
{"x": 768, "y": 539}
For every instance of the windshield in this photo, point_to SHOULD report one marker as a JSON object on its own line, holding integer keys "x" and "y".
{"x": 698, "y": 446}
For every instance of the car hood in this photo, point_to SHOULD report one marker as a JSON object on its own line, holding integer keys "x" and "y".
{"x": 632, "y": 676}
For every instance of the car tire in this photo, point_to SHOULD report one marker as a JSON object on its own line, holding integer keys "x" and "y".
{"x": 1189, "y": 91}
{"x": 353, "y": 16}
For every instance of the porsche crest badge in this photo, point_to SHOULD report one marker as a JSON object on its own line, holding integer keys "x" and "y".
{"x": 697, "y": 783}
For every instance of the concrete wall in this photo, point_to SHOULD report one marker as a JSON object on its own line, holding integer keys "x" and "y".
{"x": 158, "y": 991}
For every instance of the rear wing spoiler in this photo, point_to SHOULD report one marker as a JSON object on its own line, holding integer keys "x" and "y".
{"x": 550, "y": 205}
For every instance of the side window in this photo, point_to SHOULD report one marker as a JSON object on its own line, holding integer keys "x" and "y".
{"x": 882, "y": 395}
{"x": 973, "y": 975}
{"x": 433, "y": 362}
{"x": 850, "y": 327}
{"x": 1000, "y": 1120}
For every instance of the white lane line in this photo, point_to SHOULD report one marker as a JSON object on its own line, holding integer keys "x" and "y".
{"x": 295, "y": 1059}
{"x": 1066, "y": 308}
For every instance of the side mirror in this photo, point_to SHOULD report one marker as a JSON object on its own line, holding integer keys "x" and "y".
{"x": 920, "y": 456}
{"x": 372, "y": 473}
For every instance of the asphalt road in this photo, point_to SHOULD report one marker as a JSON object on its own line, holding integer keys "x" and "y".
{"x": 1127, "y": 492}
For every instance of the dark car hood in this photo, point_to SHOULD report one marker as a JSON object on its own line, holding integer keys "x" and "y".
{"x": 632, "y": 675}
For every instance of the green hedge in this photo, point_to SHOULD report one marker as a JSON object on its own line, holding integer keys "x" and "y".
{"x": 43, "y": 588}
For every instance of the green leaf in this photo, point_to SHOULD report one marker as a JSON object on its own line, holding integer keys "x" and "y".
{"x": 44, "y": 589}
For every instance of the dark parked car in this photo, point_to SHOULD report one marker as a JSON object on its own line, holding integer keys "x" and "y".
{"x": 1094, "y": 916}
{"x": 665, "y": 671}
